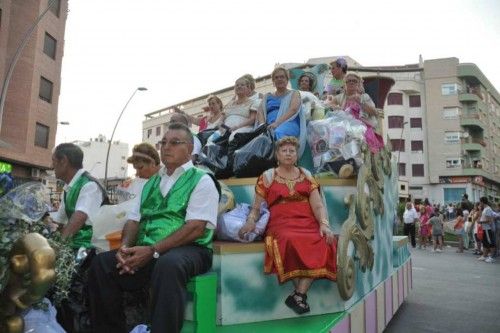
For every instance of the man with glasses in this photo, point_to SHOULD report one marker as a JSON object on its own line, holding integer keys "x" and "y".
{"x": 166, "y": 241}
{"x": 182, "y": 118}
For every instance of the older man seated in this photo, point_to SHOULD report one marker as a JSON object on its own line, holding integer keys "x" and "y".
{"x": 166, "y": 241}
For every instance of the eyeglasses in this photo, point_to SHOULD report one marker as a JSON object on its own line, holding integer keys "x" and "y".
{"x": 352, "y": 81}
{"x": 171, "y": 142}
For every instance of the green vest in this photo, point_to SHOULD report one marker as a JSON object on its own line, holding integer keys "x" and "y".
{"x": 83, "y": 236}
{"x": 162, "y": 216}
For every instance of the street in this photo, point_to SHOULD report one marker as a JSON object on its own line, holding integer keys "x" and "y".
{"x": 452, "y": 292}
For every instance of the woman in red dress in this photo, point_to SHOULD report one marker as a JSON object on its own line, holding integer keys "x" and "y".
{"x": 300, "y": 245}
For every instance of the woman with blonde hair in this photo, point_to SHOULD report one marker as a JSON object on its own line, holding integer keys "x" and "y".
{"x": 300, "y": 245}
{"x": 360, "y": 105}
{"x": 212, "y": 119}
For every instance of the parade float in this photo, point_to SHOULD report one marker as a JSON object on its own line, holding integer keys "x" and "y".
{"x": 373, "y": 267}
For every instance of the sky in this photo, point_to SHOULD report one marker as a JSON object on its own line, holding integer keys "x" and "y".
{"x": 180, "y": 50}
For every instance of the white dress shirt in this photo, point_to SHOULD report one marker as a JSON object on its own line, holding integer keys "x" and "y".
{"x": 409, "y": 216}
{"x": 203, "y": 203}
{"x": 89, "y": 200}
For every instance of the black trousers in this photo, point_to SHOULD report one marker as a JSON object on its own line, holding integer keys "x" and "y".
{"x": 167, "y": 277}
{"x": 409, "y": 229}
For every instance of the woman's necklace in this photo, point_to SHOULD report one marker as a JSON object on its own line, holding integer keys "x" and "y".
{"x": 290, "y": 183}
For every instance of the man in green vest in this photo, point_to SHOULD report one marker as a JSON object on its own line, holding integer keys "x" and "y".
{"x": 166, "y": 241}
{"x": 81, "y": 198}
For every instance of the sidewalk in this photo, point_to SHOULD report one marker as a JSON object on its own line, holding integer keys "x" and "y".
{"x": 452, "y": 292}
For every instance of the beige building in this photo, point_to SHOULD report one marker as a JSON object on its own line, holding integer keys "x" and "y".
{"x": 29, "y": 121}
{"x": 442, "y": 117}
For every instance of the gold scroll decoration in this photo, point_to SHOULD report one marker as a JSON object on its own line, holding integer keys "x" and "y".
{"x": 32, "y": 273}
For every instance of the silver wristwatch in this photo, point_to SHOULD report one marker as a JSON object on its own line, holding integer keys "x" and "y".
{"x": 156, "y": 254}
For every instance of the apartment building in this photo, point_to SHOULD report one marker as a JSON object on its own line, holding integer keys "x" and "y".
{"x": 441, "y": 116}
{"x": 29, "y": 121}
{"x": 94, "y": 157}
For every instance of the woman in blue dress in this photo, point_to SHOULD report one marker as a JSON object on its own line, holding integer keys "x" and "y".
{"x": 282, "y": 110}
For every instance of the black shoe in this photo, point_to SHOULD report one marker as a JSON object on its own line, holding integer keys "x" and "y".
{"x": 298, "y": 303}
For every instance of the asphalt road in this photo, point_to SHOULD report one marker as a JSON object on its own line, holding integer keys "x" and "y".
{"x": 452, "y": 292}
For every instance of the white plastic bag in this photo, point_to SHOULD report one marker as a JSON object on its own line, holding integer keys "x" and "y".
{"x": 231, "y": 222}
{"x": 109, "y": 219}
{"x": 40, "y": 321}
{"x": 140, "y": 329}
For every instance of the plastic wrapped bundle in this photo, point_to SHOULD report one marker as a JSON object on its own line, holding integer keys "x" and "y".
{"x": 25, "y": 202}
{"x": 229, "y": 224}
{"x": 335, "y": 141}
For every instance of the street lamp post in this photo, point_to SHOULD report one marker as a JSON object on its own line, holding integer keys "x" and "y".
{"x": 113, "y": 134}
{"x": 15, "y": 58}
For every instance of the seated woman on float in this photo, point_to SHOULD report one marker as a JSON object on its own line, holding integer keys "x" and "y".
{"x": 282, "y": 110}
{"x": 360, "y": 105}
{"x": 240, "y": 112}
{"x": 300, "y": 246}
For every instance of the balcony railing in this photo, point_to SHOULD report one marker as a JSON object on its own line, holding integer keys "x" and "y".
{"x": 471, "y": 140}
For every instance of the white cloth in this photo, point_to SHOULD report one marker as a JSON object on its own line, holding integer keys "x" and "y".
{"x": 203, "y": 203}
{"x": 196, "y": 146}
{"x": 409, "y": 216}
{"x": 88, "y": 202}
{"x": 230, "y": 223}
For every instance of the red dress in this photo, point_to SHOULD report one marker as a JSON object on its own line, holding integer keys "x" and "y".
{"x": 294, "y": 246}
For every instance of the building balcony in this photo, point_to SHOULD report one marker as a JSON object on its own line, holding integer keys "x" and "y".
{"x": 468, "y": 97}
{"x": 471, "y": 171}
{"x": 472, "y": 119}
{"x": 473, "y": 144}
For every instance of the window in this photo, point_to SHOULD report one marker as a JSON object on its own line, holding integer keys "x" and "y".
{"x": 451, "y": 137}
{"x": 402, "y": 169}
{"x": 41, "y": 135}
{"x": 395, "y": 99}
{"x": 398, "y": 145}
{"x": 450, "y": 89}
{"x": 45, "y": 92}
{"x": 158, "y": 130}
{"x": 451, "y": 113}
{"x": 416, "y": 123}
{"x": 452, "y": 163}
{"x": 417, "y": 145}
{"x": 453, "y": 195}
{"x": 417, "y": 170}
{"x": 414, "y": 101}
{"x": 150, "y": 131}
{"x": 396, "y": 121}
{"x": 49, "y": 46}
{"x": 56, "y": 8}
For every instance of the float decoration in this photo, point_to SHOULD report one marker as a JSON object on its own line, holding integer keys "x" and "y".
{"x": 29, "y": 266}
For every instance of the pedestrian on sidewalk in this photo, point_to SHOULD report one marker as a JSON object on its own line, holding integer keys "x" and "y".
{"x": 424, "y": 227}
{"x": 475, "y": 215}
{"x": 467, "y": 224}
{"x": 486, "y": 221}
{"x": 459, "y": 230}
{"x": 437, "y": 231}
{"x": 410, "y": 218}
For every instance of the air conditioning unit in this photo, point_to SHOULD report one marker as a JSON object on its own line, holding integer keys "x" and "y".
{"x": 35, "y": 173}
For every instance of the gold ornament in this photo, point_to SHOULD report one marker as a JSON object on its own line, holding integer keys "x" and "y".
{"x": 32, "y": 273}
